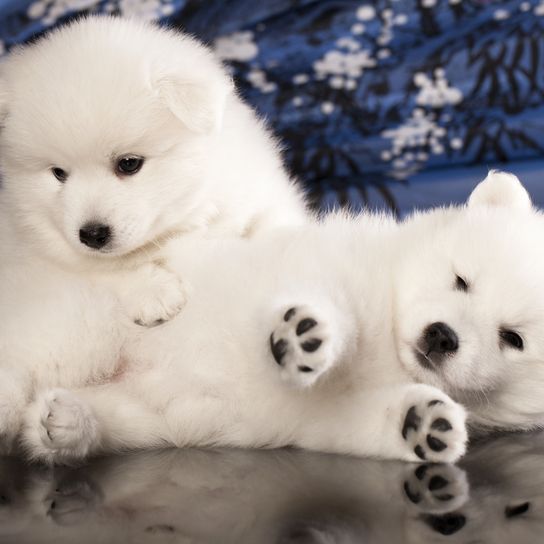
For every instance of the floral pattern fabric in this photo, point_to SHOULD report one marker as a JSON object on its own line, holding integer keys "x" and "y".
{"x": 365, "y": 95}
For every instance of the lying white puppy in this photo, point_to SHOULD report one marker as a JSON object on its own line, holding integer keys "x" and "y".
{"x": 358, "y": 311}
{"x": 117, "y": 138}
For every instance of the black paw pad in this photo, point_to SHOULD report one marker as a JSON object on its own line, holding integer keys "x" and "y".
{"x": 418, "y": 450}
{"x": 305, "y": 369}
{"x": 311, "y": 345}
{"x": 446, "y": 525}
{"x": 412, "y": 496}
{"x": 421, "y": 471}
{"x": 289, "y": 314}
{"x": 437, "y": 482}
{"x": 444, "y": 498}
{"x": 435, "y": 443}
{"x": 434, "y": 402}
{"x": 411, "y": 421}
{"x": 305, "y": 325}
{"x": 278, "y": 349}
{"x": 441, "y": 424}
{"x": 513, "y": 511}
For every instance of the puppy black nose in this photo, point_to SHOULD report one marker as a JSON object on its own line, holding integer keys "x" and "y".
{"x": 439, "y": 338}
{"x": 94, "y": 235}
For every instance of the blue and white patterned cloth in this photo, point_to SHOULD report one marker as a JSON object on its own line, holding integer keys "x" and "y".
{"x": 395, "y": 103}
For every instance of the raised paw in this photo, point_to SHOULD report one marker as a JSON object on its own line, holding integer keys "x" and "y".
{"x": 436, "y": 489}
{"x": 303, "y": 346}
{"x": 154, "y": 295}
{"x": 59, "y": 428}
{"x": 434, "y": 426}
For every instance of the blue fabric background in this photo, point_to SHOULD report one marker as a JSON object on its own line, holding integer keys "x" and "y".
{"x": 394, "y": 103}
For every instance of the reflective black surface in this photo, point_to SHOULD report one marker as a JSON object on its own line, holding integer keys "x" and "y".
{"x": 283, "y": 497}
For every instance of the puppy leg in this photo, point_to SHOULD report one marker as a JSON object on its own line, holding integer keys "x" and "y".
{"x": 308, "y": 340}
{"x": 63, "y": 427}
{"x": 151, "y": 294}
{"x": 412, "y": 422}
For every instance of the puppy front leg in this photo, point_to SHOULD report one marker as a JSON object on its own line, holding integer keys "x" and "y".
{"x": 63, "y": 426}
{"x": 412, "y": 422}
{"x": 308, "y": 340}
{"x": 150, "y": 294}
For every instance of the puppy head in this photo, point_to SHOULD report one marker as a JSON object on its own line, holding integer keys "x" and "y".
{"x": 469, "y": 298}
{"x": 105, "y": 126}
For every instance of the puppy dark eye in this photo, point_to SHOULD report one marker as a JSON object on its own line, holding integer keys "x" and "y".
{"x": 60, "y": 174}
{"x": 461, "y": 284}
{"x": 513, "y": 339}
{"x": 129, "y": 165}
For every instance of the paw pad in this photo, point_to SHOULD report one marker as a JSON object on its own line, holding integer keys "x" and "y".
{"x": 412, "y": 422}
{"x": 434, "y": 430}
{"x": 302, "y": 345}
{"x": 289, "y": 314}
{"x": 311, "y": 345}
{"x": 436, "y": 488}
{"x": 280, "y": 347}
{"x": 305, "y": 325}
{"x": 514, "y": 511}
{"x": 435, "y": 443}
{"x": 447, "y": 524}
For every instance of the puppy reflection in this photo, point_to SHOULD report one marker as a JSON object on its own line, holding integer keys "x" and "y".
{"x": 253, "y": 497}
{"x": 506, "y": 502}
{"x": 279, "y": 497}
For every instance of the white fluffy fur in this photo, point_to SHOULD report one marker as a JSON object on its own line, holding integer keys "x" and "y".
{"x": 79, "y": 99}
{"x": 103, "y": 88}
{"x": 208, "y": 376}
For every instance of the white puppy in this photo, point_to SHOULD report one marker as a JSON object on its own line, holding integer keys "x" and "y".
{"x": 474, "y": 289}
{"x": 361, "y": 312}
{"x": 116, "y": 139}
{"x": 118, "y": 136}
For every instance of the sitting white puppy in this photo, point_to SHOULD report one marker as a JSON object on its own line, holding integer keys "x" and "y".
{"x": 116, "y": 139}
{"x": 118, "y": 136}
{"x": 365, "y": 313}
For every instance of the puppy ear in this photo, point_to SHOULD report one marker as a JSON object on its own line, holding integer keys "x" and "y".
{"x": 500, "y": 189}
{"x": 198, "y": 105}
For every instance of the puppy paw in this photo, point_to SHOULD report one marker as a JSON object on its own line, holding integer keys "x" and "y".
{"x": 303, "y": 346}
{"x": 72, "y": 501}
{"x": 155, "y": 295}
{"x": 59, "y": 428}
{"x": 433, "y": 426}
{"x": 436, "y": 489}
